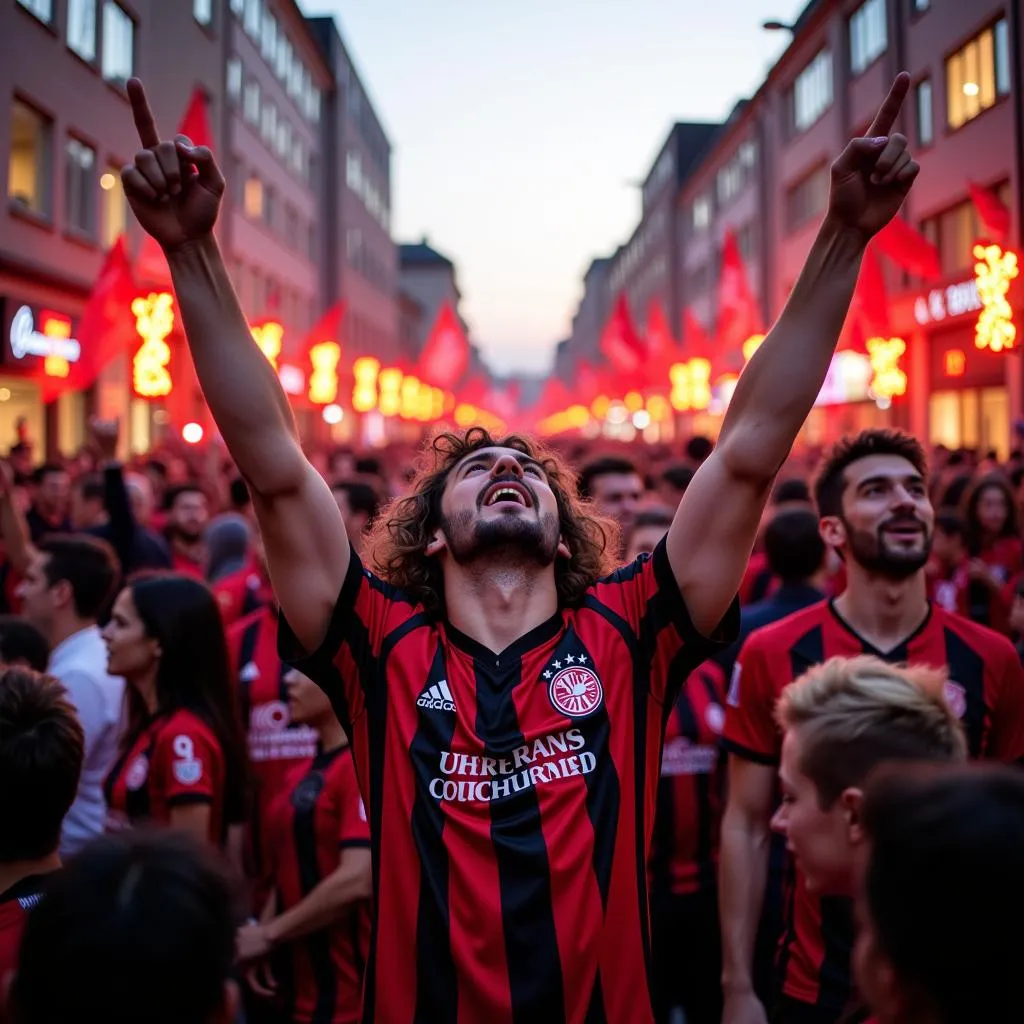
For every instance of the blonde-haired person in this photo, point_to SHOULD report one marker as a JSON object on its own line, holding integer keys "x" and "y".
{"x": 841, "y": 720}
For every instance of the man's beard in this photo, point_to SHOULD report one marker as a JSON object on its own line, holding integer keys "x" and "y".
{"x": 506, "y": 538}
{"x": 186, "y": 536}
{"x": 870, "y": 552}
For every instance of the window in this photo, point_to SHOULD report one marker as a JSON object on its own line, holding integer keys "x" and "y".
{"x": 118, "y": 44}
{"x": 291, "y": 227}
{"x": 268, "y": 44}
{"x": 268, "y": 125}
{"x": 82, "y": 28}
{"x": 701, "y": 213}
{"x": 253, "y": 198}
{"x": 28, "y": 176}
{"x": 114, "y": 220}
{"x": 923, "y": 106}
{"x": 868, "y": 34}
{"x": 812, "y": 91}
{"x": 737, "y": 172}
{"x": 955, "y": 231}
{"x": 252, "y": 102}
{"x": 238, "y": 7}
{"x": 253, "y": 17}
{"x": 977, "y": 75}
{"x": 920, "y": 6}
{"x": 234, "y": 78}
{"x": 269, "y": 207}
{"x": 807, "y": 198}
{"x": 42, "y": 9}
{"x": 202, "y": 11}
{"x": 79, "y": 187}
{"x": 746, "y": 241}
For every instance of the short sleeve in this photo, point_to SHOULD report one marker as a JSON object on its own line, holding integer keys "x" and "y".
{"x": 354, "y": 830}
{"x": 367, "y": 613}
{"x": 645, "y": 597}
{"x": 189, "y": 763}
{"x": 750, "y": 728}
{"x": 1006, "y": 738}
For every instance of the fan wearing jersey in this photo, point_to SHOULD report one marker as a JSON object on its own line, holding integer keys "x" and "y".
{"x": 181, "y": 761}
{"x": 505, "y": 693}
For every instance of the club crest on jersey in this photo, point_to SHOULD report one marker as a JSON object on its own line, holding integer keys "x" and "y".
{"x": 956, "y": 698}
{"x": 188, "y": 769}
{"x": 573, "y": 687}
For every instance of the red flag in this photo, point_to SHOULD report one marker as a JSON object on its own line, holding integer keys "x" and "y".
{"x": 738, "y": 316}
{"x": 869, "y": 310}
{"x": 445, "y": 357}
{"x": 696, "y": 342}
{"x": 620, "y": 343}
{"x": 588, "y": 382}
{"x": 474, "y": 391}
{"x": 908, "y": 248}
{"x": 555, "y": 397}
{"x": 327, "y": 328}
{"x": 992, "y": 212}
{"x": 662, "y": 349}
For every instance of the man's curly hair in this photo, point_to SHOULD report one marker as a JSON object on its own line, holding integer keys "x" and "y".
{"x": 398, "y": 540}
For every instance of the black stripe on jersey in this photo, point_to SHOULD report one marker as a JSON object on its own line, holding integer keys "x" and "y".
{"x": 437, "y": 988}
{"x": 317, "y": 944}
{"x": 536, "y": 986}
{"x": 967, "y": 670}
{"x": 689, "y": 726}
{"x": 248, "y": 648}
{"x": 837, "y": 936}
{"x": 595, "y": 1010}
{"x": 705, "y": 783}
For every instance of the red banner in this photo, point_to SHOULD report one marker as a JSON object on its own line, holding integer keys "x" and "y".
{"x": 620, "y": 343}
{"x": 992, "y": 212}
{"x": 738, "y": 315}
{"x": 908, "y": 248}
{"x": 445, "y": 357}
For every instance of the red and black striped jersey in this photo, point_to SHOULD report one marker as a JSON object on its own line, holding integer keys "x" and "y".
{"x": 320, "y": 814}
{"x": 511, "y": 795}
{"x": 241, "y": 593}
{"x": 174, "y": 760}
{"x": 15, "y": 905}
{"x": 687, "y": 820}
{"x": 985, "y": 688}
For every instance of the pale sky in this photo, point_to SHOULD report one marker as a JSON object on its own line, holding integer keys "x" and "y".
{"x": 518, "y": 126}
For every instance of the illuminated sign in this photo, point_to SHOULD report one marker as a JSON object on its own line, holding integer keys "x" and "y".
{"x": 364, "y": 389}
{"x": 848, "y": 380}
{"x": 154, "y": 321}
{"x": 269, "y": 336}
{"x": 293, "y": 380}
{"x": 691, "y": 385}
{"x": 52, "y": 341}
{"x": 888, "y": 380}
{"x": 751, "y": 345}
{"x": 946, "y": 303}
{"x": 323, "y": 381}
{"x": 389, "y": 384}
{"x": 954, "y": 363}
{"x": 994, "y": 272}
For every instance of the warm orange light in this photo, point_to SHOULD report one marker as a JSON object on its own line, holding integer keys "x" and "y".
{"x": 633, "y": 401}
{"x": 993, "y": 273}
{"x": 600, "y": 406}
{"x": 436, "y": 403}
{"x": 270, "y": 337}
{"x": 364, "y": 388}
{"x": 658, "y": 408}
{"x": 691, "y": 385}
{"x": 888, "y": 380}
{"x": 751, "y": 345}
{"x": 323, "y": 381}
{"x": 389, "y": 386}
{"x": 955, "y": 363}
{"x": 54, "y": 325}
{"x": 409, "y": 397}
{"x": 192, "y": 433}
{"x": 471, "y": 416}
{"x": 154, "y": 321}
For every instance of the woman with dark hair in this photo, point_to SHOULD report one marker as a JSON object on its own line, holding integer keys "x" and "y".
{"x": 994, "y": 547}
{"x": 182, "y": 759}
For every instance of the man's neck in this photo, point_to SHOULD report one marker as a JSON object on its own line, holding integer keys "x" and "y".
{"x": 497, "y": 604}
{"x": 883, "y": 611}
{"x": 190, "y": 549}
{"x": 65, "y": 628}
{"x": 11, "y": 874}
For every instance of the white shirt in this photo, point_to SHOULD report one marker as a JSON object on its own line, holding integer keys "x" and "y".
{"x": 80, "y": 663}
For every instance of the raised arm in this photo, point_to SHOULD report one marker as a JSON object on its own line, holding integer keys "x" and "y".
{"x": 710, "y": 540}
{"x": 175, "y": 191}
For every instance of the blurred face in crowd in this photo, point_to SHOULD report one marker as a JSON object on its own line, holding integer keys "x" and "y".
{"x": 948, "y": 548}
{"x": 140, "y": 494}
{"x": 887, "y": 520}
{"x": 992, "y": 510}
{"x": 189, "y": 515}
{"x": 498, "y": 502}
{"x": 644, "y": 539}
{"x": 53, "y": 495}
{"x": 86, "y": 512}
{"x": 1017, "y": 613}
{"x": 307, "y": 702}
{"x": 40, "y": 600}
{"x": 355, "y": 522}
{"x": 130, "y": 652}
{"x": 820, "y": 840}
{"x": 618, "y": 496}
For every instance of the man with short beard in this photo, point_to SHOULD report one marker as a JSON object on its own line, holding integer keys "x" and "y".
{"x": 875, "y": 512}
{"x": 188, "y": 512}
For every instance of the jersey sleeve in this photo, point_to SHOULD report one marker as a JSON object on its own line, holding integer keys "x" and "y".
{"x": 1006, "y": 737}
{"x": 750, "y": 728}
{"x": 354, "y": 830}
{"x": 189, "y": 761}
{"x": 367, "y": 613}
{"x": 645, "y": 599}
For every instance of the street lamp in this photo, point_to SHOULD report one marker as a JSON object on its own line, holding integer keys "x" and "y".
{"x": 776, "y": 26}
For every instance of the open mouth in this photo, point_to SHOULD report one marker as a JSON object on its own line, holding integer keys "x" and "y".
{"x": 906, "y": 531}
{"x": 506, "y": 492}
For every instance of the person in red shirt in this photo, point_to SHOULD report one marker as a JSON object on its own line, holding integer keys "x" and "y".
{"x": 874, "y": 510}
{"x": 315, "y": 928}
{"x": 948, "y": 578}
{"x": 41, "y": 752}
{"x": 505, "y": 693}
{"x": 188, "y": 512}
{"x": 181, "y": 761}
{"x": 995, "y": 548}
{"x": 942, "y": 899}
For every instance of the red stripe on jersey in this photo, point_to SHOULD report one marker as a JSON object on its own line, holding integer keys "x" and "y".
{"x": 986, "y": 689}
{"x": 15, "y": 905}
{"x": 511, "y": 796}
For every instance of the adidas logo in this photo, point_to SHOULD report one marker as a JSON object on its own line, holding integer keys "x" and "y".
{"x": 437, "y": 698}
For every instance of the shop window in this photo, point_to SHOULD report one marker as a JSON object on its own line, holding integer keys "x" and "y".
{"x": 29, "y": 168}
{"x": 114, "y": 218}
{"x": 82, "y": 28}
{"x": 80, "y": 187}
{"x": 977, "y": 75}
{"x": 118, "y": 44}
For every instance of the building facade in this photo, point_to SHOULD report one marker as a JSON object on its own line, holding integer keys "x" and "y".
{"x": 428, "y": 278}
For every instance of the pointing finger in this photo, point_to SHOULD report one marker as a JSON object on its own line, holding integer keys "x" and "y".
{"x": 145, "y": 123}
{"x": 890, "y": 108}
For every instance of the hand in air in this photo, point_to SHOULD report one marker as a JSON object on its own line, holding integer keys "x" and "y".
{"x": 173, "y": 187}
{"x": 873, "y": 175}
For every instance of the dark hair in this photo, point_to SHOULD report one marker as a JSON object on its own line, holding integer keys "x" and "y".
{"x": 661, "y": 517}
{"x": 91, "y": 487}
{"x": 944, "y": 886}
{"x": 239, "y": 493}
{"x": 404, "y": 528}
{"x": 368, "y": 465}
{"x": 362, "y": 497}
{"x": 156, "y": 466}
{"x": 699, "y": 448}
{"x": 156, "y": 909}
{"x": 1011, "y": 528}
{"x": 951, "y": 523}
{"x": 678, "y": 476}
{"x": 791, "y": 490}
{"x": 21, "y": 641}
{"x": 195, "y": 670}
{"x": 45, "y": 470}
{"x": 831, "y": 479}
{"x": 41, "y": 751}
{"x": 793, "y": 545}
{"x": 174, "y": 493}
{"x": 607, "y": 465}
{"x": 953, "y": 495}
{"x": 90, "y": 567}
